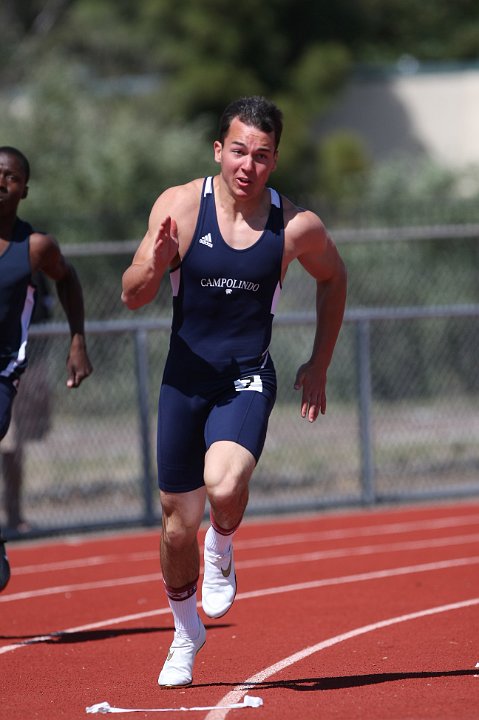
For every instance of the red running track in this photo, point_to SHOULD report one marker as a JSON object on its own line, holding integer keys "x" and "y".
{"x": 352, "y": 615}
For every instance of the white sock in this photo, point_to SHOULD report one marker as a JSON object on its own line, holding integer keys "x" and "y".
{"x": 185, "y": 615}
{"x": 216, "y": 542}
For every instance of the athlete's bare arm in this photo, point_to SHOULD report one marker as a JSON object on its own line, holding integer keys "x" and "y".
{"x": 45, "y": 255}
{"x": 307, "y": 240}
{"x": 170, "y": 229}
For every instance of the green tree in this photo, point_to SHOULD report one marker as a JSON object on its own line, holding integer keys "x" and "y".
{"x": 97, "y": 164}
{"x": 124, "y": 97}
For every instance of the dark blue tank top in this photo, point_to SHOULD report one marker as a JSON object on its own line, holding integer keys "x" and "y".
{"x": 224, "y": 299}
{"x": 17, "y": 299}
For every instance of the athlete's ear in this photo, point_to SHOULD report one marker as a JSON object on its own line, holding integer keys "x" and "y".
{"x": 275, "y": 161}
{"x": 218, "y": 148}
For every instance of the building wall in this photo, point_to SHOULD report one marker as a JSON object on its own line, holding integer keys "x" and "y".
{"x": 431, "y": 113}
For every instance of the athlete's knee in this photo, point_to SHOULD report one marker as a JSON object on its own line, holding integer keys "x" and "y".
{"x": 181, "y": 519}
{"x": 178, "y": 535}
{"x": 228, "y": 493}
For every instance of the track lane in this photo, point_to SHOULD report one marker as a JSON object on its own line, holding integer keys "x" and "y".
{"x": 324, "y": 546}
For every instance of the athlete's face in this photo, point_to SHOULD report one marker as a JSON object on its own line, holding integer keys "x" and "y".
{"x": 13, "y": 183}
{"x": 247, "y": 158}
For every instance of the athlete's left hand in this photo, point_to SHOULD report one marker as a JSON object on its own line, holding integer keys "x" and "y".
{"x": 313, "y": 383}
{"x": 78, "y": 364}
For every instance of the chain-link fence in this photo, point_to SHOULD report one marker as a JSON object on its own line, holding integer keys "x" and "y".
{"x": 402, "y": 420}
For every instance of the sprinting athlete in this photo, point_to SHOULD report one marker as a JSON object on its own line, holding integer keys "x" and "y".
{"x": 23, "y": 252}
{"x": 227, "y": 241}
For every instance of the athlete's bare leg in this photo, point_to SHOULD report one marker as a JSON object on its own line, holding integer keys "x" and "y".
{"x": 182, "y": 514}
{"x": 180, "y": 562}
{"x": 228, "y": 469}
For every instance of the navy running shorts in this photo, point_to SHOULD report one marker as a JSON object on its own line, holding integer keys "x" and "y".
{"x": 194, "y": 412}
{"x": 7, "y": 396}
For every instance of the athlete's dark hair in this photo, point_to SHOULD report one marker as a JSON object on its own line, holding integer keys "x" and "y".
{"x": 20, "y": 156}
{"x": 256, "y": 111}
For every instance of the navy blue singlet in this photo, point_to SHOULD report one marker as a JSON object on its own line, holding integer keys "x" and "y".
{"x": 224, "y": 299}
{"x": 17, "y": 299}
{"x": 219, "y": 381}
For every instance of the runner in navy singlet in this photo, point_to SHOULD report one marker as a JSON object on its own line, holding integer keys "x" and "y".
{"x": 23, "y": 252}
{"x": 219, "y": 381}
{"x": 227, "y": 242}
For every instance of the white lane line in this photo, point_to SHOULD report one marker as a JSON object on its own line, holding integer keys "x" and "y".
{"x": 235, "y": 695}
{"x": 248, "y": 564}
{"x": 297, "y": 587}
{"x": 364, "y": 531}
{"x": 411, "y": 545}
{"x": 281, "y": 539}
{"x": 90, "y": 561}
{"x": 69, "y": 589}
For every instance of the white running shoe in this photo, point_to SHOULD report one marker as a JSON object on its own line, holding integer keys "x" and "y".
{"x": 178, "y": 668}
{"x": 219, "y": 583}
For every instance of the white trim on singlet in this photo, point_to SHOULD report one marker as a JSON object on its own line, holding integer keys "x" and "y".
{"x": 25, "y": 324}
{"x": 275, "y": 199}
{"x": 276, "y": 296}
{"x": 208, "y": 186}
{"x": 175, "y": 277}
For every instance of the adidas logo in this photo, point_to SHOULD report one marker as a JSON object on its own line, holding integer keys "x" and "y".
{"x": 206, "y": 240}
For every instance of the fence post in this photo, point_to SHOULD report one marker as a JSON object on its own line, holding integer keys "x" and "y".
{"x": 141, "y": 358}
{"x": 365, "y": 403}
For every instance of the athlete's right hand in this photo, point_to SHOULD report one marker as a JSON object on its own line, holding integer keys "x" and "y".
{"x": 157, "y": 250}
{"x": 165, "y": 247}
